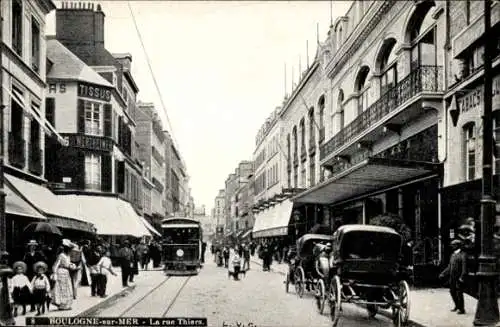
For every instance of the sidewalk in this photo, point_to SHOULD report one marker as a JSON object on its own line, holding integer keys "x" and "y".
{"x": 84, "y": 302}
{"x": 429, "y": 307}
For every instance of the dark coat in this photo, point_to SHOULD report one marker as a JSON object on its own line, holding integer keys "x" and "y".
{"x": 457, "y": 268}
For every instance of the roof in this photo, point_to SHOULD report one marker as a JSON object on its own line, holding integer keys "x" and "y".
{"x": 366, "y": 228}
{"x": 66, "y": 65}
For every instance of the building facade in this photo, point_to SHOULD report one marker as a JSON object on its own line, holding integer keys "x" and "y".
{"x": 463, "y": 110}
{"x": 151, "y": 140}
{"x": 244, "y": 201}
{"x": 103, "y": 116}
{"x": 383, "y": 63}
{"x": 219, "y": 208}
{"x": 26, "y": 129}
{"x": 177, "y": 192}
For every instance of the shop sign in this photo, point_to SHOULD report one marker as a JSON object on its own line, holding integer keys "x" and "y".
{"x": 90, "y": 142}
{"x": 57, "y": 88}
{"x": 93, "y": 91}
{"x": 474, "y": 99}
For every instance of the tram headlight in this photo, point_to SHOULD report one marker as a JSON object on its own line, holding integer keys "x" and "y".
{"x": 179, "y": 252}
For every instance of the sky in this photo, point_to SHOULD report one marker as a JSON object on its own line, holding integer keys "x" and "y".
{"x": 220, "y": 68}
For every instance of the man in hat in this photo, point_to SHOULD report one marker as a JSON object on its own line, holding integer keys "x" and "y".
{"x": 455, "y": 275}
{"x": 126, "y": 262}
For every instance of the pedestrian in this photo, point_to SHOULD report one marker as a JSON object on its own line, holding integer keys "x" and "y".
{"x": 143, "y": 254}
{"x": 31, "y": 257}
{"x": 63, "y": 288}
{"x": 246, "y": 257}
{"x": 225, "y": 254}
{"x": 20, "y": 287}
{"x": 203, "y": 249}
{"x": 135, "y": 264}
{"x": 75, "y": 256}
{"x": 93, "y": 256}
{"x": 126, "y": 262}
{"x": 455, "y": 275}
{"x": 105, "y": 269}
{"x": 41, "y": 287}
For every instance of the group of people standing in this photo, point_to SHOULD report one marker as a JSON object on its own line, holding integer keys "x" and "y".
{"x": 44, "y": 277}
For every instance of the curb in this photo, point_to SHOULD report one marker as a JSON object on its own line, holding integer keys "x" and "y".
{"x": 92, "y": 310}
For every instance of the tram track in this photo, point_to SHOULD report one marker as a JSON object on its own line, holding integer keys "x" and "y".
{"x": 176, "y": 297}
{"x": 130, "y": 307}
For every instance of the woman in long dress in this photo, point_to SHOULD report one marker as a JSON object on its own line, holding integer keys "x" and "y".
{"x": 63, "y": 288}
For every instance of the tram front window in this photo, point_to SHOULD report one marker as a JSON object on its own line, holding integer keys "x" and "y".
{"x": 181, "y": 235}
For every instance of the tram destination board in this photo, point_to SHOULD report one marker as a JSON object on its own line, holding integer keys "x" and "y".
{"x": 119, "y": 322}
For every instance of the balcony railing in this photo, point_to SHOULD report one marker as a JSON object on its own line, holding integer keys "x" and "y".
{"x": 17, "y": 157}
{"x": 35, "y": 159}
{"x": 422, "y": 79}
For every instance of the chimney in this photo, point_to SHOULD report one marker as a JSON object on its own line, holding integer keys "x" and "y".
{"x": 78, "y": 25}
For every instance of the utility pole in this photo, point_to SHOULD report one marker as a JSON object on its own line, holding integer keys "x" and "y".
{"x": 487, "y": 313}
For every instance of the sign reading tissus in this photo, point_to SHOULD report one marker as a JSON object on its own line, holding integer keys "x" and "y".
{"x": 93, "y": 91}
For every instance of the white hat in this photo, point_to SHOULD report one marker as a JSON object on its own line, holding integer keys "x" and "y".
{"x": 67, "y": 243}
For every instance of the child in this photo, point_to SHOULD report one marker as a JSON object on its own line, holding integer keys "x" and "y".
{"x": 104, "y": 268}
{"x": 41, "y": 286}
{"x": 20, "y": 287}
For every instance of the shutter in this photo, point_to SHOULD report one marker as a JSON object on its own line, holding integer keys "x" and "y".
{"x": 81, "y": 116}
{"x": 120, "y": 174}
{"x": 120, "y": 131}
{"x": 108, "y": 123}
{"x": 50, "y": 105}
{"x": 106, "y": 173}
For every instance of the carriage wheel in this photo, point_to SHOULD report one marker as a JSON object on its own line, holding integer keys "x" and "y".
{"x": 300, "y": 281}
{"x": 320, "y": 296}
{"x": 335, "y": 299}
{"x": 401, "y": 313}
{"x": 287, "y": 282}
{"x": 372, "y": 310}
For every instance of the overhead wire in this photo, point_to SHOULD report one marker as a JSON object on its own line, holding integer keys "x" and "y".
{"x": 171, "y": 130}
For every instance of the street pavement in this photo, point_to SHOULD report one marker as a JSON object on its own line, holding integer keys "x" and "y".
{"x": 85, "y": 303}
{"x": 429, "y": 307}
{"x": 258, "y": 299}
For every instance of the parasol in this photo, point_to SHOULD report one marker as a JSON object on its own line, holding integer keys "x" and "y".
{"x": 42, "y": 227}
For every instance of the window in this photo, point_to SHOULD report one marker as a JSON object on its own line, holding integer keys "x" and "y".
{"x": 302, "y": 135}
{"x": 311, "y": 126}
{"x": 295, "y": 145}
{"x": 303, "y": 176}
{"x": 321, "y": 118}
{"x": 388, "y": 66}
{"x": 340, "y": 109}
{"x": 424, "y": 48}
{"x": 93, "y": 172}
{"x": 470, "y": 152}
{"x": 17, "y": 27}
{"x": 93, "y": 121}
{"x": 35, "y": 45}
{"x": 362, "y": 89}
{"x": 312, "y": 174}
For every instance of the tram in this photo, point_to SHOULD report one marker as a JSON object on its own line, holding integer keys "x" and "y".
{"x": 181, "y": 245}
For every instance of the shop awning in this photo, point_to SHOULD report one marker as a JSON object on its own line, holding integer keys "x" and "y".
{"x": 149, "y": 227}
{"x": 59, "y": 211}
{"x": 110, "y": 215}
{"x": 274, "y": 220}
{"x": 367, "y": 176}
{"x": 15, "y": 205}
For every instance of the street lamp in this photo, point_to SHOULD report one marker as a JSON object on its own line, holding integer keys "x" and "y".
{"x": 487, "y": 313}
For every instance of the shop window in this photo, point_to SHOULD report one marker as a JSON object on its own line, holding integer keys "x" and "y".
{"x": 93, "y": 172}
{"x": 470, "y": 151}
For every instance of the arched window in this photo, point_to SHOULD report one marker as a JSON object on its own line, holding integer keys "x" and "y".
{"x": 321, "y": 105}
{"x": 387, "y": 66}
{"x": 340, "y": 108}
{"x": 422, "y": 33}
{"x": 470, "y": 151}
{"x": 312, "y": 138}
{"x": 288, "y": 148}
{"x": 361, "y": 89}
{"x": 302, "y": 135}
{"x": 294, "y": 135}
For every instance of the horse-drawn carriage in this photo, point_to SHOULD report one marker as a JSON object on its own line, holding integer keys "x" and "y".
{"x": 365, "y": 269}
{"x": 304, "y": 271}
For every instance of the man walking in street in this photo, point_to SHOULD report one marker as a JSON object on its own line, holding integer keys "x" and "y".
{"x": 246, "y": 257}
{"x": 126, "y": 262}
{"x": 455, "y": 275}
